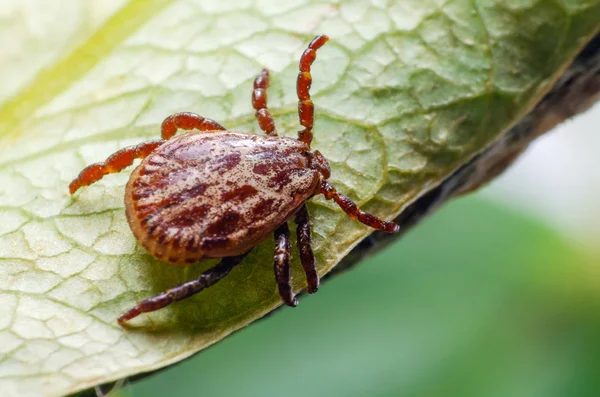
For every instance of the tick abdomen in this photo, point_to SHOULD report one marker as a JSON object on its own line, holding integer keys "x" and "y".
{"x": 217, "y": 194}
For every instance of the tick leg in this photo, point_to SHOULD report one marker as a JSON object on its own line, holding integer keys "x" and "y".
{"x": 187, "y": 121}
{"x": 306, "y": 108}
{"x": 354, "y": 212}
{"x": 282, "y": 265}
{"x": 306, "y": 255}
{"x": 115, "y": 163}
{"x": 185, "y": 290}
{"x": 259, "y": 102}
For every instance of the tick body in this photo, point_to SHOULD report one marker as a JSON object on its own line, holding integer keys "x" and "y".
{"x": 216, "y": 195}
{"x": 213, "y": 193}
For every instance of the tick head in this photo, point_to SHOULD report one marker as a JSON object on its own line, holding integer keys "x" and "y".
{"x": 318, "y": 162}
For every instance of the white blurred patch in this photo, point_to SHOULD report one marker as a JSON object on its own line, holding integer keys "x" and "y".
{"x": 558, "y": 178}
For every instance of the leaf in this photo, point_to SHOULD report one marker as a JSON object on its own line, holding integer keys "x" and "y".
{"x": 405, "y": 92}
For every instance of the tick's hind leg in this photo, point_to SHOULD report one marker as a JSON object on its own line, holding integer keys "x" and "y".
{"x": 115, "y": 163}
{"x": 306, "y": 108}
{"x": 187, "y": 121}
{"x": 354, "y": 212}
{"x": 282, "y": 265}
{"x": 185, "y": 290}
{"x": 306, "y": 254}
{"x": 259, "y": 103}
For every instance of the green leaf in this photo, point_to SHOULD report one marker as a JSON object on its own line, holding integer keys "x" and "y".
{"x": 405, "y": 92}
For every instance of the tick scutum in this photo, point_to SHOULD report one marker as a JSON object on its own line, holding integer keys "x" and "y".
{"x": 219, "y": 194}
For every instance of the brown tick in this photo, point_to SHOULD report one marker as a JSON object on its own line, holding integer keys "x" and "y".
{"x": 214, "y": 193}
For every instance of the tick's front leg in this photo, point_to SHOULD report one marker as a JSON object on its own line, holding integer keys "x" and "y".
{"x": 306, "y": 108}
{"x": 354, "y": 212}
{"x": 115, "y": 163}
{"x": 187, "y": 121}
{"x": 259, "y": 103}
{"x": 282, "y": 265}
{"x": 185, "y": 290}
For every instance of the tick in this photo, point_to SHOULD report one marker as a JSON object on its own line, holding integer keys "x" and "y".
{"x": 214, "y": 193}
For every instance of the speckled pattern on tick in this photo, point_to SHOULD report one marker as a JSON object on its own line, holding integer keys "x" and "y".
{"x": 214, "y": 193}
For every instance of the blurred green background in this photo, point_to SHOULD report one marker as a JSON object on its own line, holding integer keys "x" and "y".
{"x": 478, "y": 300}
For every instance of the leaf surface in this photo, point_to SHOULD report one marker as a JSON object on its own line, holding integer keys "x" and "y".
{"x": 405, "y": 92}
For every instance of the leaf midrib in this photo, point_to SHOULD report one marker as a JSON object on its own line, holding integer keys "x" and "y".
{"x": 52, "y": 81}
